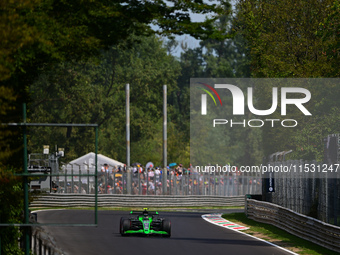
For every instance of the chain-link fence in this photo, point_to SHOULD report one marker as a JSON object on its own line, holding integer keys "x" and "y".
{"x": 312, "y": 193}
{"x": 150, "y": 183}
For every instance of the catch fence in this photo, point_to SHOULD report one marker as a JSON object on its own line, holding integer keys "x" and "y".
{"x": 147, "y": 183}
{"x": 310, "y": 193}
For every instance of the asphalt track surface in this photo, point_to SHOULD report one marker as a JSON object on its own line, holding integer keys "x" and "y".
{"x": 191, "y": 235}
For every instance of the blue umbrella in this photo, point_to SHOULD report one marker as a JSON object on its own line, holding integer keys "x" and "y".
{"x": 172, "y": 164}
{"x": 149, "y": 165}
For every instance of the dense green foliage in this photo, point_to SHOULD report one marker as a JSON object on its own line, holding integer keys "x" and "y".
{"x": 295, "y": 39}
{"x": 50, "y": 42}
{"x": 92, "y": 92}
{"x": 11, "y": 199}
{"x": 70, "y": 61}
{"x": 226, "y": 58}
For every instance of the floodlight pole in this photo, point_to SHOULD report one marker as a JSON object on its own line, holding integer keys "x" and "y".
{"x": 129, "y": 180}
{"x": 165, "y": 141}
{"x": 127, "y": 100}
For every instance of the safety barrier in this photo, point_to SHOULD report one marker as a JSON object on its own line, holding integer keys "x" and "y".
{"x": 212, "y": 184}
{"x": 305, "y": 227}
{"x": 105, "y": 200}
{"x": 43, "y": 244}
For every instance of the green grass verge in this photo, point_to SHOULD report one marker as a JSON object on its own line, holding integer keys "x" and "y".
{"x": 278, "y": 236}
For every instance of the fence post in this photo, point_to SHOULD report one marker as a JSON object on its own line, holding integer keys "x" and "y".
{"x": 79, "y": 182}
{"x": 139, "y": 186}
{"x": 88, "y": 181}
{"x": 170, "y": 183}
{"x": 40, "y": 247}
{"x": 246, "y": 197}
{"x": 65, "y": 180}
{"x": 72, "y": 180}
{"x": 147, "y": 182}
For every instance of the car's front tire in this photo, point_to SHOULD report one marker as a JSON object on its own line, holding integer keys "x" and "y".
{"x": 166, "y": 226}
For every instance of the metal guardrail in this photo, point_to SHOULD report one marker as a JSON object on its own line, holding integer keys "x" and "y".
{"x": 305, "y": 227}
{"x": 105, "y": 200}
{"x": 42, "y": 243}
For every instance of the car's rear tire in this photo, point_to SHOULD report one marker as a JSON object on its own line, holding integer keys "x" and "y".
{"x": 166, "y": 226}
{"x": 125, "y": 225}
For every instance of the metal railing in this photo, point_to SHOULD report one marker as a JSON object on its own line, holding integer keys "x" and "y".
{"x": 126, "y": 182}
{"x": 42, "y": 243}
{"x": 305, "y": 227}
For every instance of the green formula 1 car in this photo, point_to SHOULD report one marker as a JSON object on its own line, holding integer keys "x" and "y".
{"x": 145, "y": 222}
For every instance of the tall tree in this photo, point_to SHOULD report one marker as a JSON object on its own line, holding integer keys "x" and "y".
{"x": 37, "y": 34}
{"x": 92, "y": 92}
{"x": 227, "y": 58}
{"x": 282, "y": 37}
{"x": 294, "y": 39}
{"x": 329, "y": 32}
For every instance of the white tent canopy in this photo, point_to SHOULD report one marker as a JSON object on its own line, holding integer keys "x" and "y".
{"x": 88, "y": 162}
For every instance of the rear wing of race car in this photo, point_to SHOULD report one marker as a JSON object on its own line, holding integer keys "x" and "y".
{"x": 144, "y": 212}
